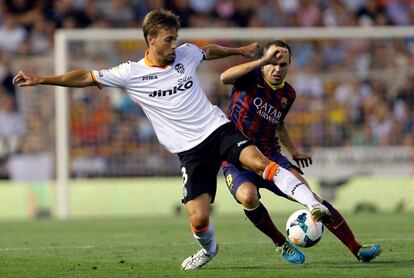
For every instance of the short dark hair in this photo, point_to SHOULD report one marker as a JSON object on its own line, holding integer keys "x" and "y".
{"x": 279, "y": 43}
{"x": 158, "y": 19}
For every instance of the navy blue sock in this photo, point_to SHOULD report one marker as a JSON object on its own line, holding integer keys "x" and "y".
{"x": 338, "y": 226}
{"x": 261, "y": 219}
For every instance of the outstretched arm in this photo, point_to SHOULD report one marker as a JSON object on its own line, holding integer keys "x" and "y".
{"x": 214, "y": 51}
{"x": 232, "y": 74}
{"x": 302, "y": 159}
{"x": 74, "y": 78}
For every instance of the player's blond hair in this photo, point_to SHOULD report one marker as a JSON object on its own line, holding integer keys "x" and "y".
{"x": 157, "y": 20}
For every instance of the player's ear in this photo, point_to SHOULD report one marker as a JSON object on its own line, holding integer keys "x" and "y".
{"x": 150, "y": 39}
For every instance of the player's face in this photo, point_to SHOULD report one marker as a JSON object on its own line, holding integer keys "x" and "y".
{"x": 164, "y": 44}
{"x": 276, "y": 72}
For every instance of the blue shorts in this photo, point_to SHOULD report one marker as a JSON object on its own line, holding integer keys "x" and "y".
{"x": 236, "y": 177}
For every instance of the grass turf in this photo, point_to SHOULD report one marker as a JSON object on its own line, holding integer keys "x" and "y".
{"x": 156, "y": 246}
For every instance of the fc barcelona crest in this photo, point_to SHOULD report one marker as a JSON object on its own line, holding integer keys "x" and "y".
{"x": 284, "y": 102}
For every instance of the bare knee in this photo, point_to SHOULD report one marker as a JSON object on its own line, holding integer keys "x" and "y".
{"x": 248, "y": 196}
{"x": 199, "y": 219}
{"x": 198, "y": 211}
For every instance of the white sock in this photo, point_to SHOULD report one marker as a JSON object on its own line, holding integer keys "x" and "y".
{"x": 293, "y": 187}
{"x": 207, "y": 240}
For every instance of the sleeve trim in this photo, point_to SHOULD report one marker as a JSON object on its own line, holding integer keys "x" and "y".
{"x": 99, "y": 85}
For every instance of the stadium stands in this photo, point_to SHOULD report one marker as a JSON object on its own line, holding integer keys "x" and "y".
{"x": 350, "y": 92}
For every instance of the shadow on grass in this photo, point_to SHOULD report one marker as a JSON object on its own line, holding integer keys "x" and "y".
{"x": 245, "y": 267}
{"x": 322, "y": 265}
{"x": 357, "y": 264}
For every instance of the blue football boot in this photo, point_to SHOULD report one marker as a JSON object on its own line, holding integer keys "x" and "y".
{"x": 368, "y": 252}
{"x": 291, "y": 253}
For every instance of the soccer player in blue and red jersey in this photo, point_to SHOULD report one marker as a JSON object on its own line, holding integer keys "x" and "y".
{"x": 261, "y": 99}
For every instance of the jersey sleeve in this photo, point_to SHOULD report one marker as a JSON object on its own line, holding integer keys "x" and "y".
{"x": 196, "y": 53}
{"x": 292, "y": 94}
{"x": 249, "y": 79}
{"x": 115, "y": 77}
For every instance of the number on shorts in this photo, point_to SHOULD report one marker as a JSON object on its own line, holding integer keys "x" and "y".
{"x": 185, "y": 176}
{"x": 229, "y": 179}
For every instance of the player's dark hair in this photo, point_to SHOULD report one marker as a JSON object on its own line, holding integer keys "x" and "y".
{"x": 158, "y": 19}
{"x": 279, "y": 43}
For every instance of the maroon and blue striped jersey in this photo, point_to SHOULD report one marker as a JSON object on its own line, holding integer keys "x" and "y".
{"x": 258, "y": 108}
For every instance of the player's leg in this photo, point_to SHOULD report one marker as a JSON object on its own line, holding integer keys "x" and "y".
{"x": 340, "y": 228}
{"x": 257, "y": 213}
{"x": 337, "y": 224}
{"x": 203, "y": 231}
{"x": 251, "y": 158}
{"x": 198, "y": 211}
{"x": 241, "y": 186}
{"x": 199, "y": 171}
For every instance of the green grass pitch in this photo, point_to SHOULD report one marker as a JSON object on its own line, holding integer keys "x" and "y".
{"x": 155, "y": 247}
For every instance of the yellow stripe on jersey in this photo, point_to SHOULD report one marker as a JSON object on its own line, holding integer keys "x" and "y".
{"x": 275, "y": 87}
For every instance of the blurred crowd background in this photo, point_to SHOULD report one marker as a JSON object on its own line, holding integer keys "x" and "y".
{"x": 351, "y": 92}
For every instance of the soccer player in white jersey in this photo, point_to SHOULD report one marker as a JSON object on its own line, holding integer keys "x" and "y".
{"x": 164, "y": 83}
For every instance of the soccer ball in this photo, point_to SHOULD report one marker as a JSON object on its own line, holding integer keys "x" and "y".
{"x": 302, "y": 229}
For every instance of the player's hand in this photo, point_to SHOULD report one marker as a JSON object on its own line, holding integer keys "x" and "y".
{"x": 303, "y": 160}
{"x": 23, "y": 79}
{"x": 274, "y": 54}
{"x": 248, "y": 51}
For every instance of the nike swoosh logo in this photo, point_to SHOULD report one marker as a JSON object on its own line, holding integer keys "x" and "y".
{"x": 337, "y": 226}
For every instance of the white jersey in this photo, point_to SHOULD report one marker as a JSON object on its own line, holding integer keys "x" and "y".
{"x": 170, "y": 97}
